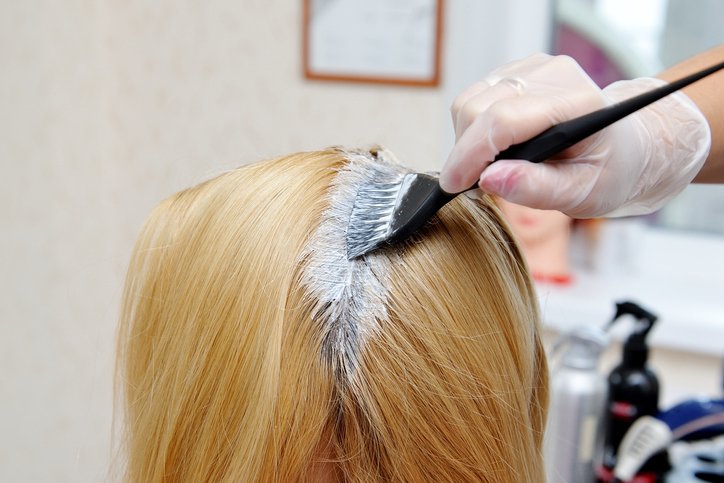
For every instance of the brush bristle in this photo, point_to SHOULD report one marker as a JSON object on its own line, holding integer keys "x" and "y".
{"x": 372, "y": 214}
{"x": 371, "y": 217}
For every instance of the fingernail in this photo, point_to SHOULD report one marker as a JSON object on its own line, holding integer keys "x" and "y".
{"x": 448, "y": 180}
{"x": 473, "y": 194}
{"x": 451, "y": 176}
{"x": 443, "y": 181}
{"x": 498, "y": 179}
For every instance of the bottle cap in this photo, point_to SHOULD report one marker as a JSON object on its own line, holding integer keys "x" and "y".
{"x": 584, "y": 346}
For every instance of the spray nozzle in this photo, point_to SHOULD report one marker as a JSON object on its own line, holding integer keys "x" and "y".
{"x": 645, "y": 318}
{"x": 635, "y": 348}
{"x": 631, "y": 308}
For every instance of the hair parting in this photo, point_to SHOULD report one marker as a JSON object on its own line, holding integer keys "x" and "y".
{"x": 350, "y": 296}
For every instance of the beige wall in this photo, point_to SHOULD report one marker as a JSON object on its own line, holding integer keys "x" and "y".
{"x": 105, "y": 109}
{"x": 58, "y": 249}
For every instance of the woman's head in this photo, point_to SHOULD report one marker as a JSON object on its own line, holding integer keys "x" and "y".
{"x": 252, "y": 349}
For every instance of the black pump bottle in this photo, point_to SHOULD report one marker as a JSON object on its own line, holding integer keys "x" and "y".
{"x": 633, "y": 389}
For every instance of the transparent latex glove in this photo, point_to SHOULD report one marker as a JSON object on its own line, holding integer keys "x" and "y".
{"x": 632, "y": 167}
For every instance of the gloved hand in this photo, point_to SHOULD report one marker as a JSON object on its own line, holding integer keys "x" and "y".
{"x": 632, "y": 167}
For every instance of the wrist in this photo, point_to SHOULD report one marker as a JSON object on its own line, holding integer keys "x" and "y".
{"x": 675, "y": 140}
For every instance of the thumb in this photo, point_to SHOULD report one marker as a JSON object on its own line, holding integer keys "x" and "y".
{"x": 544, "y": 186}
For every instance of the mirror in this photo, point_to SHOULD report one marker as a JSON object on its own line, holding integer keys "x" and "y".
{"x": 618, "y": 39}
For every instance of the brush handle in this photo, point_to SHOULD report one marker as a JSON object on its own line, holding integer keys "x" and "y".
{"x": 564, "y": 135}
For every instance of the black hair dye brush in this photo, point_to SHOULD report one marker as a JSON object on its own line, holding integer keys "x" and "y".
{"x": 387, "y": 213}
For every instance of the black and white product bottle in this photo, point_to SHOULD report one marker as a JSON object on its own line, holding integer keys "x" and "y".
{"x": 633, "y": 391}
{"x": 574, "y": 433}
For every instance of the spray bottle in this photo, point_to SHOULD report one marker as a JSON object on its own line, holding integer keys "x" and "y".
{"x": 577, "y": 398}
{"x": 633, "y": 390}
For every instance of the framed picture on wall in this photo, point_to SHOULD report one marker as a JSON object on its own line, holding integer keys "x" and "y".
{"x": 378, "y": 41}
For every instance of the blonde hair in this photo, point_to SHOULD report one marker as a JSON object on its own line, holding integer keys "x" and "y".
{"x": 221, "y": 348}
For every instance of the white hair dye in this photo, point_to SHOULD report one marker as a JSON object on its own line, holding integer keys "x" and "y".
{"x": 350, "y": 295}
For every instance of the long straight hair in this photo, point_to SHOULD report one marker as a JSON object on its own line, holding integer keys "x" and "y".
{"x": 221, "y": 361}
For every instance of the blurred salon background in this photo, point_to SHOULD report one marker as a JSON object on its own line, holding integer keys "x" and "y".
{"x": 107, "y": 107}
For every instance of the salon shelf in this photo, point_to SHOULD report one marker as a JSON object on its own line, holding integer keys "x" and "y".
{"x": 678, "y": 275}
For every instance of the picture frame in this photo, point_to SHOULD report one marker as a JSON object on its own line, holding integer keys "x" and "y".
{"x": 373, "y": 41}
